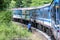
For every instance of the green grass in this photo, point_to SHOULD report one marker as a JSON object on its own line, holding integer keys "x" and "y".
{"x": 9, "y": 30}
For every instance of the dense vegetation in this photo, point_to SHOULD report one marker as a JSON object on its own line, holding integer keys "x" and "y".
{"x": 9, "y": 29}
{"x": 22, "y": 3}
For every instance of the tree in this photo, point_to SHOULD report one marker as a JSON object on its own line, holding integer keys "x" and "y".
{"x": 26, "y": 3}
{"x": 18, "y": 3}
{"x": 23, "y": 3}
{"x": 1, "y": 4}
{"x": 12, "y": 4}
{"x": 40, "y": 2}
{"x": 4, "y": 4}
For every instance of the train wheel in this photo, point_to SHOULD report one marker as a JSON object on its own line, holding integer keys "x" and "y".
{"x": 39, "y": 27}
{"x": 44, "y": 29}
{"x": 48, "y": 31}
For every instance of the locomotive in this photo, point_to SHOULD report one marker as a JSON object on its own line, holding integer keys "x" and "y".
{"x": 46, "y": 18}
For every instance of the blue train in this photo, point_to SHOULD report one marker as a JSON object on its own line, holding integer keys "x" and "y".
{"x": 46, "y": 18}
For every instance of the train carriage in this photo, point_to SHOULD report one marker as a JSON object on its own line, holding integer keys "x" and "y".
{"x": 45, "y": 18}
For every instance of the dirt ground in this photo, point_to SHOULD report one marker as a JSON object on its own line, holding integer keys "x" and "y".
{"x": 37, "y": 36}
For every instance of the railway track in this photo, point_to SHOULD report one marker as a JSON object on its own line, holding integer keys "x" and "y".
{"x": 37, "y": 34}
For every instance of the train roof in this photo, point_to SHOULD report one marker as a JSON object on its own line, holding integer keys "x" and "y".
{"x": 31, "y": 7}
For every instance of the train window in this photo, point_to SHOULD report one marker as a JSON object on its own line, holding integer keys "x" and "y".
{"x": 30, "y": 13}
{"x": 23, "y": 16}
{"x": 58, "y": 9}
{"x": 41, "y": 13}
{"x": 17, "y": 12}
{"x": 14, "y": 12}
{"x": 58, "y": 16}
{"x": 34, "y": 13}
{"x": 53, "y": 14}
{"x": 27, "y": 12}
{"x": 38, "y": 12}
{"x": 46, "y": 14}
{"x": 27, "y": 16}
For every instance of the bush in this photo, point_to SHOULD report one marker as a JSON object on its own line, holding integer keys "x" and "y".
{"x": 12, "y": 31}
{"x": 8, "y": 29}
{"x": 5, "y": 17}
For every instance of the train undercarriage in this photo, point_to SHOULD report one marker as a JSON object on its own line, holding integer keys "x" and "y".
{"x": 38, "y": 26}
